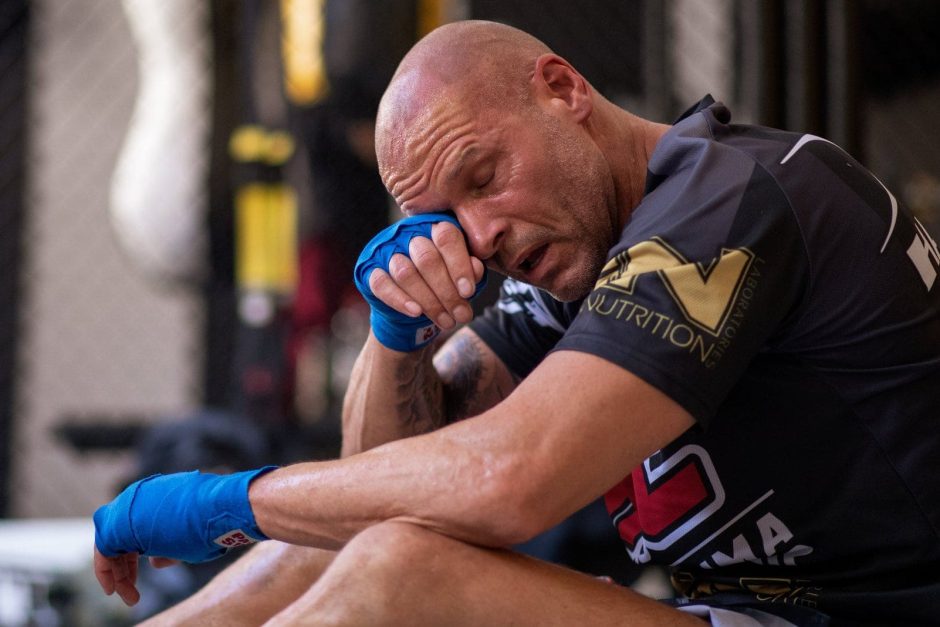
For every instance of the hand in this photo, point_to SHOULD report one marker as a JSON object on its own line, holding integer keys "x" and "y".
{"x": 418, "y": 276}
{"x": 118, "y": 574}
{"x": 193, "y": 516}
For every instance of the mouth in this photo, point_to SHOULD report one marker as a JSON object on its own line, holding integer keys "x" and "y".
{"x": 531, "y": 259}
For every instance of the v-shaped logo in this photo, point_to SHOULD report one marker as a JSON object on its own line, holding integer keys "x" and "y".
{"x": 704, "y": 293}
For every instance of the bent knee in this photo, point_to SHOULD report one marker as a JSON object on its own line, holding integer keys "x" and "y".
{"x": 399, "y": 555}
{"x": 392, "y": 544}
{"x": 371, "y": 575}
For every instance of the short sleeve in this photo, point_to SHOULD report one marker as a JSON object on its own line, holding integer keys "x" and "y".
{"x": 709, "y": 273}
{"x": 523, "y": 325}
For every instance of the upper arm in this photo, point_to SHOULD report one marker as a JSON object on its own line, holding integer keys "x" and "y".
{"x": 474, "y": 378}
{"x": 572, "y": 429}
{"x": 579, "y": 424}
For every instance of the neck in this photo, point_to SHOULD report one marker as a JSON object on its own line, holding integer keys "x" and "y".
{"x": 628, "y": 142}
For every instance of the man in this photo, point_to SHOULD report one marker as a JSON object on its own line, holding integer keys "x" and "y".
{"x": 730, "y": 332}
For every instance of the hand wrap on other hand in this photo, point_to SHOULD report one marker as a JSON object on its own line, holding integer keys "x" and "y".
{"x": 192, "y": 516}
{"x": 393, "y": 329}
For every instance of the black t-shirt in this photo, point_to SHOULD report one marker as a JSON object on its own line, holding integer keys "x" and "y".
{"x": 775, "y": 289}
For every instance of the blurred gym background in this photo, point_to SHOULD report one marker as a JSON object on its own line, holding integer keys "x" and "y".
{"x": 184, "y": 186}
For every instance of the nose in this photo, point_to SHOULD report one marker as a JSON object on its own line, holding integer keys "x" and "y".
{"x": 484, "y": 232}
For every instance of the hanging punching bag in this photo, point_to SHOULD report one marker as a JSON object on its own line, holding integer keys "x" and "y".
{"x": 159, "y": 196}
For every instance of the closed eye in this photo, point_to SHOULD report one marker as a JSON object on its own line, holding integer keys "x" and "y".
{"x": 483, "y": 179}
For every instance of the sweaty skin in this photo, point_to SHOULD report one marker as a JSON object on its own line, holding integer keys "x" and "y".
{"x": 542, "y": 174}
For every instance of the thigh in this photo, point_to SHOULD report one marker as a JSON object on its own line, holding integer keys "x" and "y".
{"x": 505, "y": 588}
{"x": 403, "y": 574}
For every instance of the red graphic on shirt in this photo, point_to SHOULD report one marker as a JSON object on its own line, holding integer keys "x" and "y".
{"x": 657, "y": 504}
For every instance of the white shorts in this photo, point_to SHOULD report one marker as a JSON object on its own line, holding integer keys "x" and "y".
{"x": 743, "y": 617}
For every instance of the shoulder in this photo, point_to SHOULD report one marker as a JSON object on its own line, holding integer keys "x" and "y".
{"x": 523, "y": 325}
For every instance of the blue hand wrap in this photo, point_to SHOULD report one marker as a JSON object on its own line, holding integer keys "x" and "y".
{"x": 191, "y": 516}
{"x": 393, "y": 329}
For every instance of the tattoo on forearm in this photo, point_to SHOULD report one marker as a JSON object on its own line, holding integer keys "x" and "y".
{"x": 462, "y": 369}
{"x": 456, "y": 385}
{"x": 419, "y": 395}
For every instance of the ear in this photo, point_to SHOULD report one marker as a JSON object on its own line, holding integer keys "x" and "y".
{"x": 556, "y": 80}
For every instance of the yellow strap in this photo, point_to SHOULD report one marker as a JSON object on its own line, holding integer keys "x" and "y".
{"x": 252, "y": 143}
{"x": 302, "y": 30}
{"x": 266, "y": 237}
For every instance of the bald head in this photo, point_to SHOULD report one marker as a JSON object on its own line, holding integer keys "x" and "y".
{"x": 479, "y": 64}
{"x": 468, "y": 51}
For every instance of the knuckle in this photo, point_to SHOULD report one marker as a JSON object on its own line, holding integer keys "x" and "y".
{"x": 417, "y": 244}
{"x": 383, "y": 287}
{"x": 377, "y": 280}
{"x": 400, "y": 268}
{"x": 423, "y": 257}
{"x": 433, "y": 311}
{"x": 446, "y": 235}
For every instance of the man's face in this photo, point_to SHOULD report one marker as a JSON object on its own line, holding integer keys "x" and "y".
{"x": 532, "y": 192}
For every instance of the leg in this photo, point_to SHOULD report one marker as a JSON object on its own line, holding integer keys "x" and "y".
{"x": 401, "y": 574}
{"x": 256, "y": 587}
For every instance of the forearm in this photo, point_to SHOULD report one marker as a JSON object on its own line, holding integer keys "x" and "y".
{"x": 438, "y": 480}
{"x": 393, "y": 395}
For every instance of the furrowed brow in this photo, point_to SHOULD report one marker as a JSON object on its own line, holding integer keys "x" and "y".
{"x": 465, "y": 155}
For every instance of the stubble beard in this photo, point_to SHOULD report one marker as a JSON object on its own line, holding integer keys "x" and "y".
{"x": 590, "y": 199}
{"x": 594, "y": 220}
{"x": 581, "y": 280}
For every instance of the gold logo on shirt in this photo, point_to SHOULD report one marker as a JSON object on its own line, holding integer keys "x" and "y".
{"x": 705, "y": 293}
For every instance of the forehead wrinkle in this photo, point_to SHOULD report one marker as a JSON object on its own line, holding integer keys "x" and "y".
{"x": 466, "y": 154}
{"x": 394, "y": 179}
{"x": 409, "y": 187}
{"x": 404, "y": 145}
{"x": 438, "y": 133}
{"x": 454, "y": 148}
